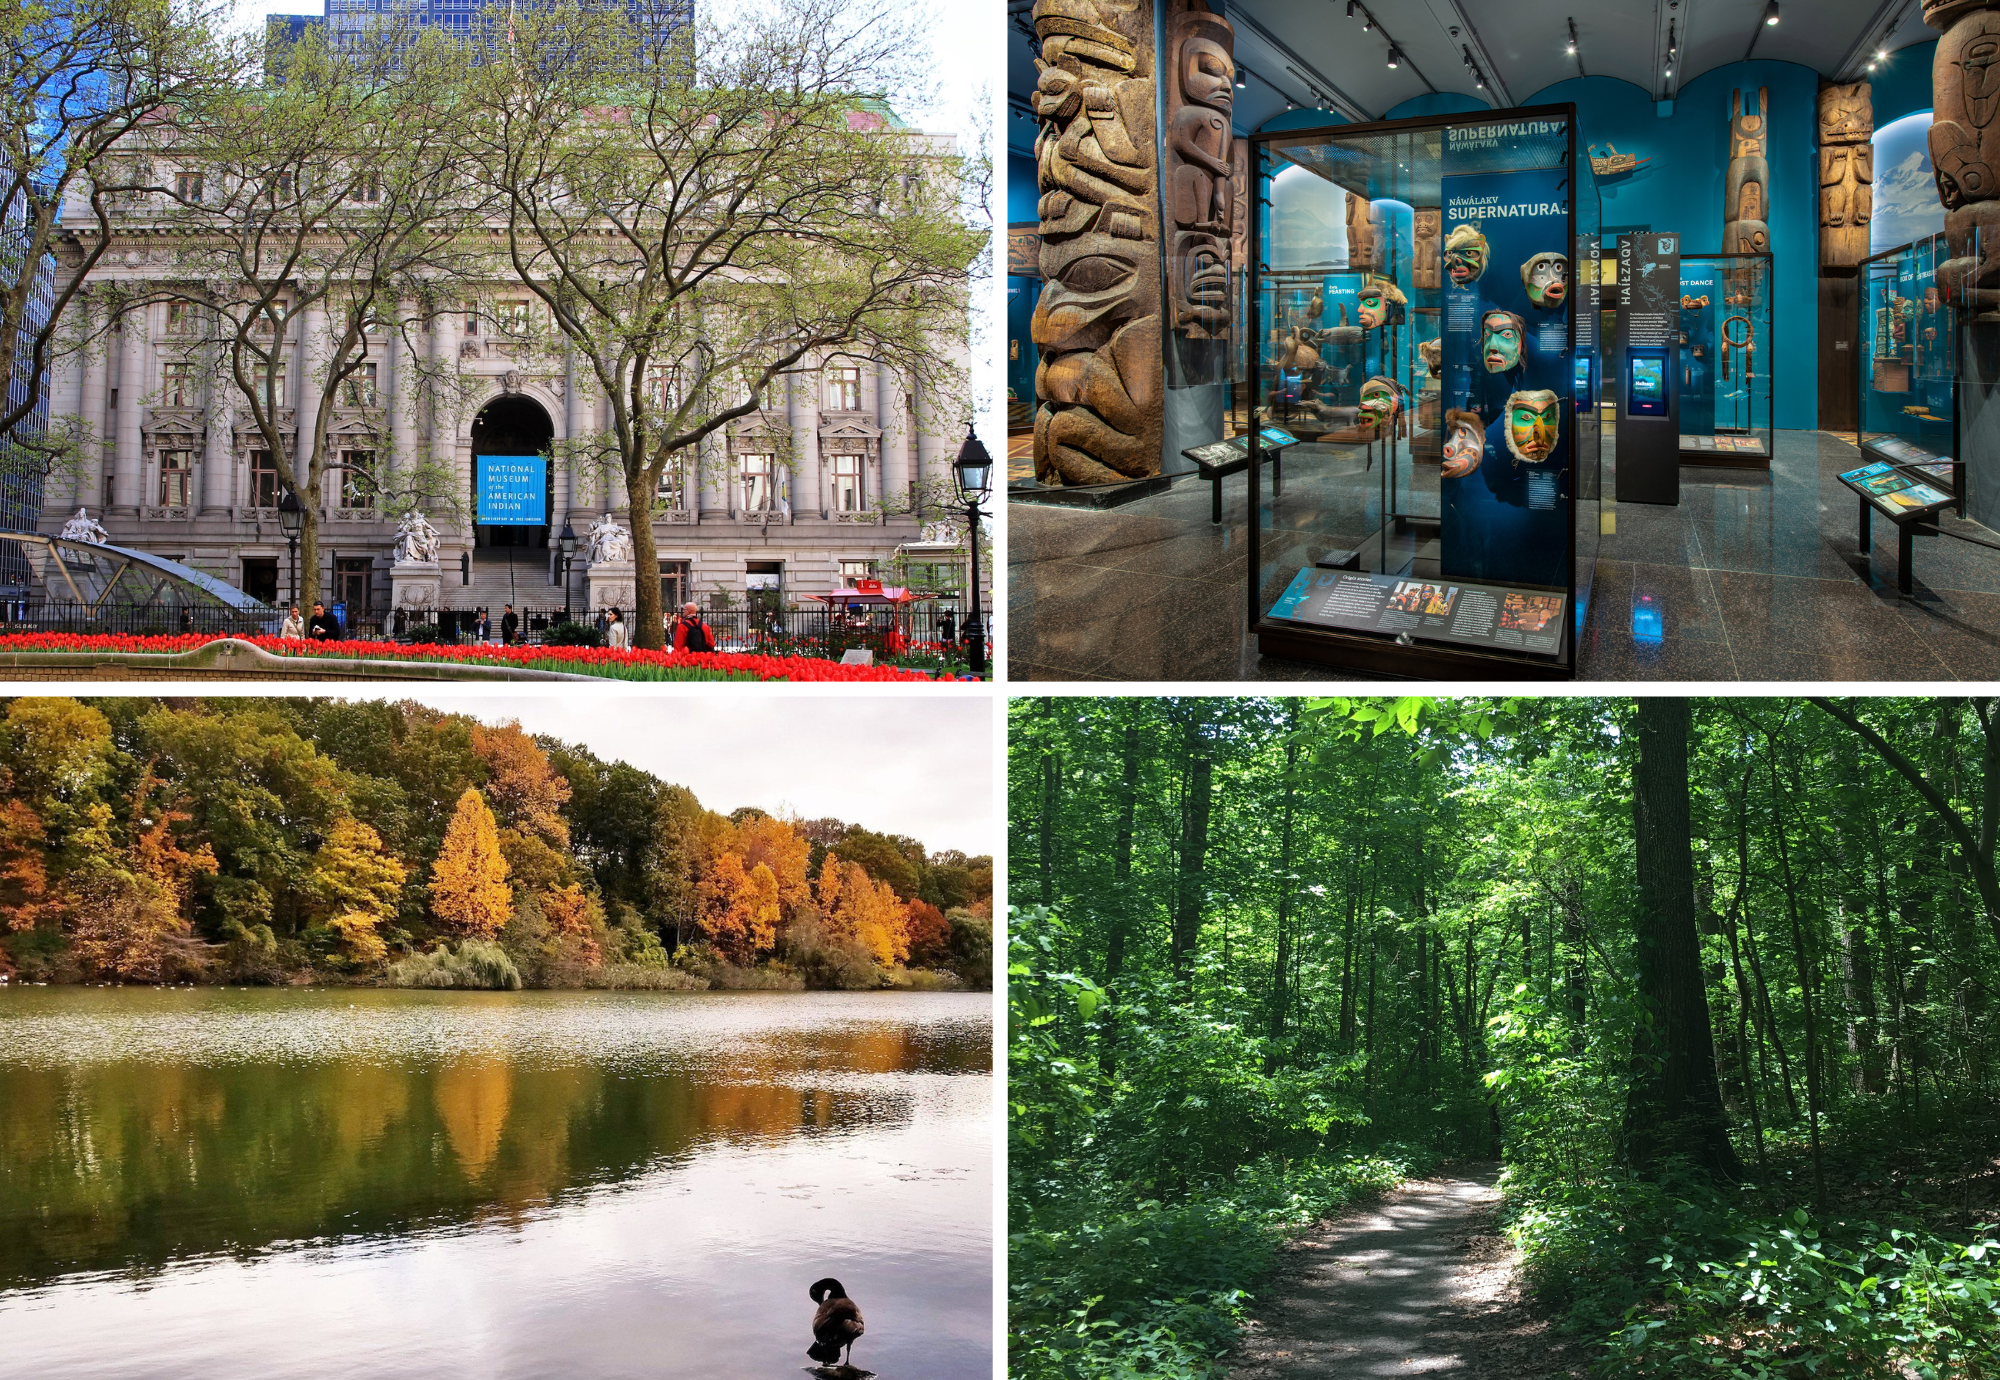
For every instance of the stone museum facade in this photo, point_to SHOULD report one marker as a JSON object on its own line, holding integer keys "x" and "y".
{"x": 826, "y": 483}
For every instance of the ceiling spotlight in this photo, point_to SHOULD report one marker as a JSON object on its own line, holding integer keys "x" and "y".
{"x": 1352, "y": 5}
{"x": 1667, "y": 71}
{"x": 1771, "y": 12}
{"x": 1571, "y": 50}
{"x": 1881, "y": 54}
{"x": 1291, "y": 104}
{"x": 1393, "y": 56}
{"x": 1240, "y": 83}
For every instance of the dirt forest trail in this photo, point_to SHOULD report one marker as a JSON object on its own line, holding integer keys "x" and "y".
{"x": 1416, "y": 1282}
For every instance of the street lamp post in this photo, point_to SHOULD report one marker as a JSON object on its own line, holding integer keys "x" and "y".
{"x": 567, "y": 541}
{"x": 292, "y": 518}
{"x": 975, "y": 478}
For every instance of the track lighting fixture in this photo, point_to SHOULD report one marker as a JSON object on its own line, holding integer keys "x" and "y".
{"x": 1771, "y": 12}
{"x": 1393, "y": 57}
{"x": 1571, "y": 50}
{"x": 1352, "y": 6}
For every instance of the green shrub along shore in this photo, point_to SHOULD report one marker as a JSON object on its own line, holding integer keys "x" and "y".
{"x": 292, "y": 841}
{"x": 1711, "y": 981}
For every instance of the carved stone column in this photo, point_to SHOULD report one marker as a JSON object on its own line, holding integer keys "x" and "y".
{"x": 96, "y": 380}
{"x": 218, "y": 457}
{"x": 1965, "y": 147}
{"x": 128, "y": 473}
{"x": 576, "y": 421}
{"x": 400, "y": 392}
{"x": 1097, "y": 323}
{"x": 802, "y": 412}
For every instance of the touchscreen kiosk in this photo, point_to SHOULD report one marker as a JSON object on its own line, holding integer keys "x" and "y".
{"x": 1646, "y": 383}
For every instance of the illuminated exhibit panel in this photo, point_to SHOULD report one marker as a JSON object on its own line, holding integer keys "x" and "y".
{"x": 1415, "y": 318}
{"x": 1726, "y": 360}
{"x": 1907, "y": 362}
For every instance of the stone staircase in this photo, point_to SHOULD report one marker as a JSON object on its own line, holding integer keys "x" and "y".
{"x": 516, "y": 575}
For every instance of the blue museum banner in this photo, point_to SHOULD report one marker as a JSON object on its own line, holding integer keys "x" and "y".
{"x": 513, "y": 489}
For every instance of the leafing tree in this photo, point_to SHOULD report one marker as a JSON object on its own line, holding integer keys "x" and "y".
{"x": 469, "y": 891}
{"x": 357, "y": 886}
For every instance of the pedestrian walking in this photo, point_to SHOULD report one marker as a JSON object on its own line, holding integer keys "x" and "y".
{"x": 322, "y": 627}
{"x": 293, "y": 626}
{"x": 510, "y": 625}
{"x": 616, "y": 634}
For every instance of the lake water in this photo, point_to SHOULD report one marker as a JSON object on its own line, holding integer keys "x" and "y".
{"x": 277, "y": 1184}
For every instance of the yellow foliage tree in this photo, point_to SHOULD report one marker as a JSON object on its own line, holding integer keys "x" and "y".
{"x": 55, "y": 746}
{"x": 469, "y": 891}
{"x": 356, "y": 886}
{"x": 567, "y": 909}
{"x": 778, "y": 846}
{"x": 737, "y": 909}
{"x": 854, "y": 906}
{"x": 528, "y": 791}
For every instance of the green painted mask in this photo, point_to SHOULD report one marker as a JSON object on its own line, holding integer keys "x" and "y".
{"x": 1546, "y": 276}
{"x": 1381, "y": 400}
{"x": 1534, "y": 420}
{"x": 1465, "y": 251}
{"x": 1500, "y": 335}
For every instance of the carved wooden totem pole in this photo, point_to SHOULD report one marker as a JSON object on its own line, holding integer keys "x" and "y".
{"x": 1361, "y": 248}
{"x": 1201, "y": 88}
{"x": 1746, "y": 190}
{"x": 1965, "y": 147}
{"x": 1425, "y": 225}
{"x": 1098, "y": 388}
{"x": 1846, "y": 173}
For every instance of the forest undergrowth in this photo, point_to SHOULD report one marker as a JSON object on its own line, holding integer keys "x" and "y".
{"x": 1717, "y": 982}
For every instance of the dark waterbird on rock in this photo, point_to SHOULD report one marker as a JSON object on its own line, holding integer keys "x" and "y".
{"x": 836, "y": 1325}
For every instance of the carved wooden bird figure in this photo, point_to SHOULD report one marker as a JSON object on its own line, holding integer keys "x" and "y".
{"x": 837, "y": 1324}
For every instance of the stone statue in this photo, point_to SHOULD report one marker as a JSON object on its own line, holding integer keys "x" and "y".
{"x": 1965, "y": 147}
{"x": 416, "y": 540}
{"x": 83, "y": 527}
{"x": 1425, "y": 226}
{"x": 1846, "y": 173}
{"x": 1099, "y": 389}
{"x": 610, "y": 544}
{"x": 1200, "y": 93}
{"x": 1746, "y": 187}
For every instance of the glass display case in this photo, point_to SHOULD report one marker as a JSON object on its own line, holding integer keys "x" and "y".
{"x": 1416, "y": 330}
{"x": 1907, "y": 360}
{"x": 1726, "y": 364}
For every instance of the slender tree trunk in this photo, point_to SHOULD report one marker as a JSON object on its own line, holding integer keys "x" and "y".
{"x": 1194, "y": 850}
{"x": 1287, "y": 884}
{"x": 1051, "y": 802}
{"x": 1805, "y": 970}
{"x": 1121, "y": 891}
{"x": 1674, "y": 1108}
{"x": 1857, "y": 973}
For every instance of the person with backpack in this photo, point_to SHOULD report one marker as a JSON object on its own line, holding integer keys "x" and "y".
{"x": 690, "y": 633}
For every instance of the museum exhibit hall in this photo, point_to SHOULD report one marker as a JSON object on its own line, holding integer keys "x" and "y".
{"x": 1461, "y": 340}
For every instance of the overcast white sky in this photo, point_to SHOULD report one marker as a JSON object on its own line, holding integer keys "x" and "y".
{"x": 898, "y": 765}
{"x": 968, "y": 45}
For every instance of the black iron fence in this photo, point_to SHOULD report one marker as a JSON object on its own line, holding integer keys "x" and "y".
{"x": 789, "y": 632}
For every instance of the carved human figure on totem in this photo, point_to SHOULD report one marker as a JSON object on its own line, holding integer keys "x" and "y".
{"x": 1361, "y": 247}
{"x": 1846, "y": 190}
{"x": 1846, "y": 172}
{"x": 1097, "y": 323}
{"x": 1746, "y": 192}
{"x": 1424, "y": 227}
{"x": 1201, "y": 92}
{"x": 1239, "y": 209}
{"x": 1965, "y": 147}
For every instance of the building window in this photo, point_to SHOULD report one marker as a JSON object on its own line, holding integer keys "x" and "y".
{"x": 514, "y": 316}
{"x": 851, "y": 571}
{"x": 176, "y": 469}
{"x": 263, "y": 480}
{"x": 843, "y": 389}
{"x": 260, "y": 379}
{"x": 351, "y": 582}
{"x": 177, "y": 388}
{"x": 676, "y": 583}
{"x": 472, "y": 320}
{"x": 936, "y": 577}
{"x": 368, "y": 188}
{"x": 180, "y": 318}
{"x": 673, "y": 486}
{"x": 661, "y": 387}
{"x": 260, "y": 578}
{"x": 187, "y": 186}
{"x": 357, "y": 479}
{"x": 758, "y": 494}
{"x": 361, "y": 386}
{"x": 847, "y": 494}
{"x": 765, "y": 582}
{"x": 281, "y": 187}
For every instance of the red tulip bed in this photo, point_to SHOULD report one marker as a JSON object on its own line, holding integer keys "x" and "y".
{"x": 612, "y": 663}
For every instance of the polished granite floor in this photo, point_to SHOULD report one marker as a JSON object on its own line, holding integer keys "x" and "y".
{"x": 1754, "y": 576}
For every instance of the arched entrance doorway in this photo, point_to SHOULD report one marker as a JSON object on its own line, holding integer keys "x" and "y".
{"x": 515, "y": 426}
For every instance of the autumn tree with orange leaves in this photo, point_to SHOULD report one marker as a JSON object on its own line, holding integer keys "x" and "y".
{"x": 469, "y": 891}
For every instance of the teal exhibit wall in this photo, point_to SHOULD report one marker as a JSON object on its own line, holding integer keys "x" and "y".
{"x": 1437, "y": 103}
{"x": 1902, "y": 84}
{"x": 1681, "y": 190}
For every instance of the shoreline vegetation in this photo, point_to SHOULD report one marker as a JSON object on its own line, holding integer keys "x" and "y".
{"x": 282, "y": 842}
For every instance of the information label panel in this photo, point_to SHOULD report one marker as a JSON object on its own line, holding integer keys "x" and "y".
{"x": 513, "y": 489}
{"x": 1515, "y": 620}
